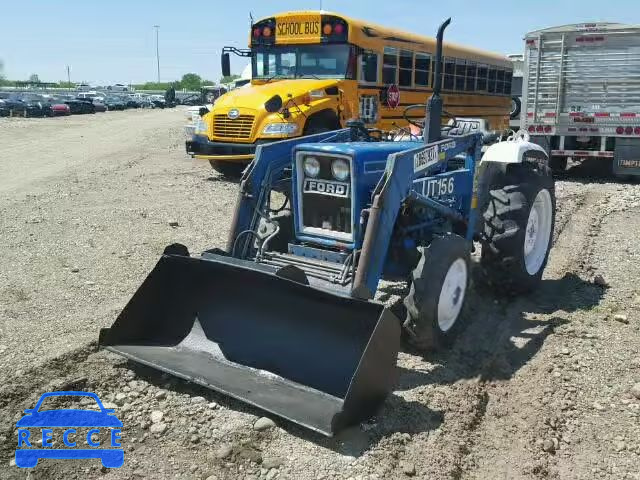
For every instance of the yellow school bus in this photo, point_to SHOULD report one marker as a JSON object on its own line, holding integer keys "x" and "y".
{"x": 328, "y": 69}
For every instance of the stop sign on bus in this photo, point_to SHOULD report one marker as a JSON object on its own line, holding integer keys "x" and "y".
{"x": 393, "y": 96}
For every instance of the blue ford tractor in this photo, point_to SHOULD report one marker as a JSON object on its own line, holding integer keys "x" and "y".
{"x": 285, "y": 318}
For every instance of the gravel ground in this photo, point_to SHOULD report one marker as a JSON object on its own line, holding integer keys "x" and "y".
{"x": 543, "y": 386}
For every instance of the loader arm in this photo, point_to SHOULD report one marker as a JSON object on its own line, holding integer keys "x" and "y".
{"x": 397, "y": 187}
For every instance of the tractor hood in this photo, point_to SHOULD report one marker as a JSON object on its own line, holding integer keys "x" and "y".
{"x": 254, "y": 96}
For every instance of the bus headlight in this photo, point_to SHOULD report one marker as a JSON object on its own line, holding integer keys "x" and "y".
{"x": 340, "y": 169}
{"x": 311, "y": 166}
{"x": 280, "y": 129}
{"x": 201, "y": 127}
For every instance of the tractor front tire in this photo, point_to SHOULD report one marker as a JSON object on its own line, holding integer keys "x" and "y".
{"x": 519, "y": 218}
{"x": 438, "y": 293}
{"x": 231, "y": 170}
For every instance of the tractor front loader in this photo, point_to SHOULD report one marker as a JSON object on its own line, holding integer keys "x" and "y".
{"x": 285, "y": 317}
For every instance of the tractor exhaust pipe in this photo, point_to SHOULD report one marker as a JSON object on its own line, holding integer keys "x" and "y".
{"x": 433, "y": 114}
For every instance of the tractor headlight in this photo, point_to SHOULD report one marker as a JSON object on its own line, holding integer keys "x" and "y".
{"x": 311, "y": 166}
{"x": 280, "y": 129}
{"x": 340, "y": 169}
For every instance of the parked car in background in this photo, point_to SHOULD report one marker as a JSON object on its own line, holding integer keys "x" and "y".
{"x": 4, "y": 109}
{"x": 57, "y": 105}
{"x": 79, "y": 106}
{"x": 118, "y": 87}
{"x": 89, "y": 95}
{"x": 131, "y": 102}
{"x": 146, "y": 102}
{"x": 13, "y": 105}
{"x": 35, "y": 105}
{"x": 98, "y": 104}
{"x": 158, "y": 100}
{"x": 114, "y": 103}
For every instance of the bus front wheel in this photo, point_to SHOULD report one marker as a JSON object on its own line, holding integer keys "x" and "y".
{"x": 231, "y": 170}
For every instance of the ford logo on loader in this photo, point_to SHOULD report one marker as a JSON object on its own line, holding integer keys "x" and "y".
{"x": 233, "y": 113}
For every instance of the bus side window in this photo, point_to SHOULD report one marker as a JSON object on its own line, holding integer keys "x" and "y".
{"x": 449, "y": 71}
{"x": 500, "y": 82}
{"x": 423, "y": 65}
{"x": 471, "y": 76}
{"x": 481, "y": 84}
{"x": 390, "y": 66}
{"x": 406, "y": 68}
{"x": 508, "y": 79}
{"x": 369, "y": 67}
{"x": 491, "y": 87}
{"x": 461, "y": 71}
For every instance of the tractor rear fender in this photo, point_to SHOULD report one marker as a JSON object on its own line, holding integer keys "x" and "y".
{"x": 514, "y": 151}
{"x": 268, "y": 167}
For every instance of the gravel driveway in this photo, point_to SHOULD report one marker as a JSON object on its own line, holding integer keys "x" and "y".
{"x": 544, "y": 386}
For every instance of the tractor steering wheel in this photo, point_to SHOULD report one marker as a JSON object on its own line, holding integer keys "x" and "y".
{"x": 420, "y": 123}
{"x": 413, "y": 121}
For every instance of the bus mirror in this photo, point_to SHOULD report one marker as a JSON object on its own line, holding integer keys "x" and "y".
{"x": 203, "y": 111}
{"x": 274, "y": 104}
{"x": 226, "y": 65}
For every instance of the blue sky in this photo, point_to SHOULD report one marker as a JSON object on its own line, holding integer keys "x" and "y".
{"x": 114, "y": 41}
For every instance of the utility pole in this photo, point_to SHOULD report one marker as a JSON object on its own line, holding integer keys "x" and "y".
{"x": 68, "y": 77}
{"x": 157, "y": 27}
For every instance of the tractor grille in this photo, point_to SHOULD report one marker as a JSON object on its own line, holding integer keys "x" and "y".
{"x": 238, "y": 128}
{"x": 327, "y": 213}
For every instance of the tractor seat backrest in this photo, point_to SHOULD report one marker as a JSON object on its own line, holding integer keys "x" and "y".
{"x": 464, "y": 126}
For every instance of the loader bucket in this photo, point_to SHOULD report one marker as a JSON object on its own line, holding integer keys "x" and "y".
{"x": 320, "y": 360}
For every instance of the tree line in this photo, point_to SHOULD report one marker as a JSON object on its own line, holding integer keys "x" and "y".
{"x": 189, "y": 81}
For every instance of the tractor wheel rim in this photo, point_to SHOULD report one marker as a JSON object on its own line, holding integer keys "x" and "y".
{"x": 454, "y": 288}
{"x": 538, "y": 232}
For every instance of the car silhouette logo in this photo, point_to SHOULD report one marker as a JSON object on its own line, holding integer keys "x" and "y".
{"x": 77, "y": 428}
{"x": 233, "y": 113}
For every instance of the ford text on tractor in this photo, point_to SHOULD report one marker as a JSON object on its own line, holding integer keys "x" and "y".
{"x": 285, "y": 317}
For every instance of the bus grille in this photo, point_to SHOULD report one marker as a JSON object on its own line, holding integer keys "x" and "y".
{"x": 238, "y": 128}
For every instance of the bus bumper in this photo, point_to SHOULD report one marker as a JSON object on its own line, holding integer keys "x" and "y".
{"x": 202, "y": 148}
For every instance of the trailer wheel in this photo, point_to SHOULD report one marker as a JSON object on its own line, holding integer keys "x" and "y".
{"x": 558, "y": 164}
{"x": 231, "y": 170}
{"x": 518, "y": 226}
{"x": 438, "y": 292}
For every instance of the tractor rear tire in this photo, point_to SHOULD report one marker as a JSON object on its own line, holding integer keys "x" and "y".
{"x": 231, "y": 170}
{"x": 519, "y": 218}
{"x": 438, "y": 293}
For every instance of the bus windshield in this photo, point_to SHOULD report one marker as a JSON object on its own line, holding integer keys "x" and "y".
{"x": 304, "y": 61}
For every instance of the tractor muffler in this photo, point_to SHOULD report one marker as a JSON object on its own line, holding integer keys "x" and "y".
{"x": 317, "y": 359}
